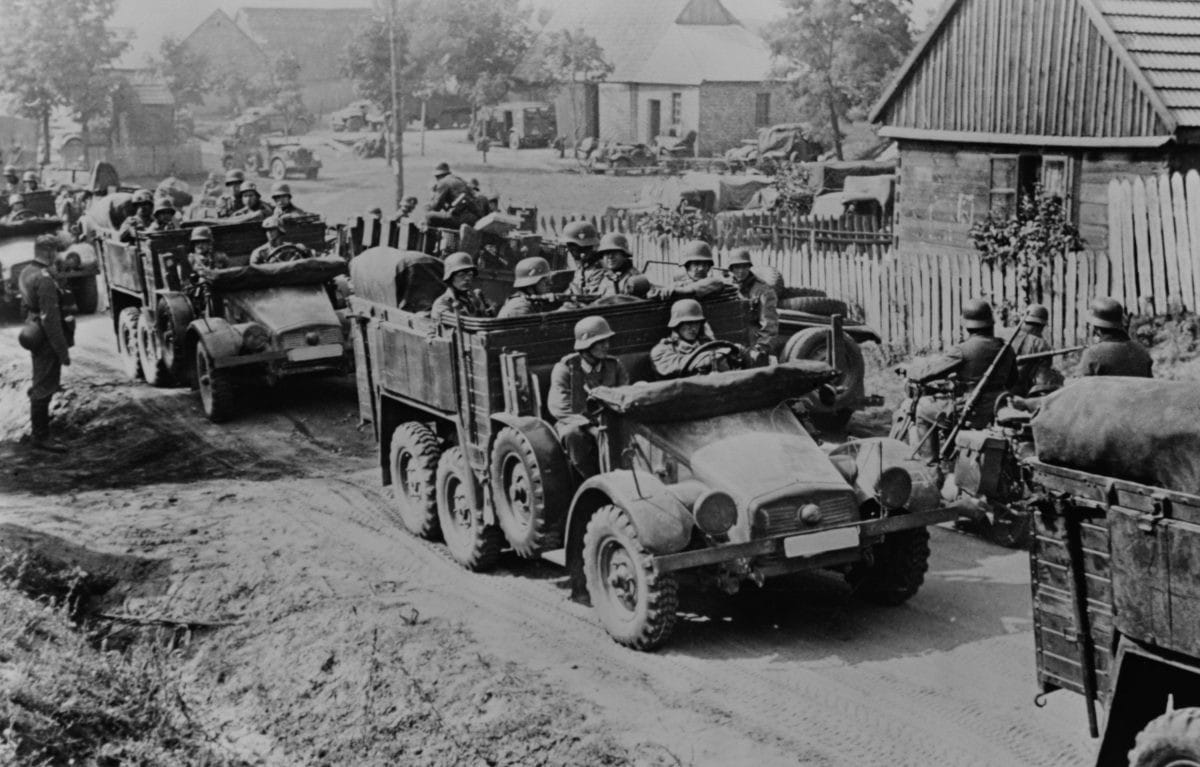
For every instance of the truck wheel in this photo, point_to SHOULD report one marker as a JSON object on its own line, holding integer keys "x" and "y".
{"x": 1010, "y": 527}
{"x": 414, "y": 462}
{"x": 473, "y": 544}
{"x": 898, "y": 569}
{"x": 87, "y": 294}
{"x": 1171, "y": 740}
{"x": 520, "y": 496}
{"x": 813, "y": 344}
{"x": 216, "y": 388}
{"x": 127, "y": 341}
{"x": 635, "y": 602}
{"x": 278, "y": 169}
{"x": 822, "y": 306}
{"x": 153, "y": 368}
{"x": 171, "y": 338}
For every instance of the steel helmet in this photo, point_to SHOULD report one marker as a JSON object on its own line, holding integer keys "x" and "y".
{"x": 164, "y": 205}
{"x": 279, "y": 188}
{"x": 589, "y": 330}
{"x": 581, "y": 233}
{"x": 697, "y": 251}
{"x": 614, "y": 241}
{"x": 234, "y": 176}
{"x": 272, "y": 222}
{"x": 249, "y": 186}
{"x": 741, "y": 257}
{"x": 455, "y": 263}
{"x": 530, "y": 271}
{"x": 29, "y": 176}
{"x": 202, "y": 234}
{"x": 977, "y": 314}
{"x": 685, "y": 310}
{"x": 1107, "y": 313}
{"x": 142, "y": 196}
{"x": 16, "y": 199}
{"x": 1036, "y": 314}
{"x": 441, "y": 169}
{"x": 10, "y": 170}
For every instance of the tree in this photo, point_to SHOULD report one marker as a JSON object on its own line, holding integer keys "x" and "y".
{"x": 285, "y": 94}
{"x": 570, "y": 59}
{"x": 838, "y": 54}
{"x": 57, "y": 53}
{"x": 185, "y": 71}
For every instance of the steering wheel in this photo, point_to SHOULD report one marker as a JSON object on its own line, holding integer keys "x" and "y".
{"x": 25, "y": 214}
{"x": 288, "y": 252}
{"x": 710, "y": 347}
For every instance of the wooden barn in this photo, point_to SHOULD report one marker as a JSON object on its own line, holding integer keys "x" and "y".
{"x": 1002, "y": 94}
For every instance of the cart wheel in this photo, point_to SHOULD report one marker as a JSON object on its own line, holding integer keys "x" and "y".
{"x": 472, "y": 544}
{"x": 216, "y": 388}
{"x": 127, "y": 341}
{"x": 414, "y": 462}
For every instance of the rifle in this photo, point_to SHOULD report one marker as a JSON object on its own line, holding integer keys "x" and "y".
{"x": 976, "y": 393}
{"x": 1046, "y": 355}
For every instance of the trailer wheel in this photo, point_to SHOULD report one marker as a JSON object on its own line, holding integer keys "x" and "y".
{"x": 636, "y": 603}
{"x": 519, "y": 494}
{"x": 414, "y": 462}
{"x": 153, "y": 367}
{"x": 897, "y": 570}
{"x": 472, "y": 544}
{"x": 127, "y": 341}
{"x": 216, "y": 388}
{"x": 1171, "y": 740}
{"x": 87, "y": 294}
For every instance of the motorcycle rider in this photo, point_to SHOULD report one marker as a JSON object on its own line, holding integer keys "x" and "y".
{"x": 688, "y": 333}
{"x": 576, "y": 374}
{"x": 531, "y": 283}
{"x": 1113, "y": 352}
{"x": 618, "y": 265}
{"x": 460, "y": 297}
{"x": 1030, "y": 341}
{"x": 764, "y": 307}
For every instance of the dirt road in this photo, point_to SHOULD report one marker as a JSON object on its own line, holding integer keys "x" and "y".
{"x": 342, "y": 640}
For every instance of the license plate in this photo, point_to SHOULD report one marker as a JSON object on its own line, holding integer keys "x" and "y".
{"x": 819, "y": 543}
{"x": 304, "y": 353}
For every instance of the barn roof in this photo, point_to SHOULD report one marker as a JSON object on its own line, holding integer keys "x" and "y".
{"x": 1144, "y": 56}
{"x": 317, "y": 37}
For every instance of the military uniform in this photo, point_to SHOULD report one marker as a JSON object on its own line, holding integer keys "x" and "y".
{"x": 588, "y": 280}
{"x": 977, "y": 354}
{"x": 764, "y": 307}
{"x": 43, "y": 305}
{"x": 155, "y": 226}
{"x": 1028, "y": 372}
{"x": 1116, "y": 355}
{"x": 618, "y": 284}
{"x": 227, "y": 204}
{"x": 288, "y": 210}
{"x": 521, "y": 304}
{"x": 570, "y": 381}
{"x": 132, "y": 226}
{"x": 469, "y": 304}
{"x": 260, "y": 212}
{"x": 214, "y": 260}
{"x": 669, "y": 354}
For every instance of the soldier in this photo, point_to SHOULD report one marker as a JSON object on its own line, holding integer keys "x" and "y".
{"x": 572, "y": 378}
{"x": 453, "y": 201}
{"x": 581, "y": 239}
{"x": 203, "y": 257}
{"x": 269, "y": 251}
{"x": 1113, "y": 352}
{"x": 230, "y": 201}
{"x": 764, "y": 307}
{"x": 16, "y": 209}
{"x": 141, "y": 218}
{"x": 406, "y": 208}
{"x": 687, "y": 334}
{"x": 43, "y": 306}
{"x": 618, "y": 265}
{"x": 252, "y": 207}
{"x": 164, "y": 217}
{"x": 1030, "y": 341}
{"x": 29, "y": 181}
{"x": 460, "y": 297}
{"x": 281, "y": 195}
{"x": 696, "y": 279}
{"x": 12, "y": 182}
{"x": 531, "y": 283}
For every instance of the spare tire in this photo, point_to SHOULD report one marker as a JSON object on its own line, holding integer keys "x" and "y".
{"x": 770, "y": 276}
{"x": 822, "y": 306}
{"x": 813, "y": 344}
{"x": 787, "y": 293}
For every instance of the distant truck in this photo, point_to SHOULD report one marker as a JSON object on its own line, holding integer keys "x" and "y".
{"x": 360, "y": 115}
{"x": 77, "y": 266}
{"x": 516, "y": 124}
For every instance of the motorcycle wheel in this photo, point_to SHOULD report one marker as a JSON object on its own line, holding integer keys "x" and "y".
{"x": 1010, "y": 527}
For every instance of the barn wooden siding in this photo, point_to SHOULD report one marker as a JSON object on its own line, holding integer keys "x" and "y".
{"x": 1032, "y": 67}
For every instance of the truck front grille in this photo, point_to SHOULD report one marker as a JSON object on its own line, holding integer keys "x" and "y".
{"x": 325, "y": 335}
{"x": 783, "y": 516}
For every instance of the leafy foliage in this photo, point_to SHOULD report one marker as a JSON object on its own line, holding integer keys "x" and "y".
{"x": 568, "y": 59}
{"x": 185, "y": 71}
{"x": 285, "y": 86}
{"x": 682, "y": 223}
{"x": 1030, "y": 239}
{"x": 794, "y": 184}
{"x": 838, "y": 54}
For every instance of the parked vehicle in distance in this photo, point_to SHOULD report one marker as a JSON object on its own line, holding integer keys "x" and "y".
{"x": 786, "y": 142}
{"x": 360, "y": 115}
{"x": 77, "y": 267}
{"x": 860, "y": 195}
{"x": 256, "y": 121}
{"x": 274, "y": 156}
{"x": 516, "y": 124}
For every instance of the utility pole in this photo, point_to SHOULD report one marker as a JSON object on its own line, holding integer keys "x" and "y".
{"x": 397, "y": 116}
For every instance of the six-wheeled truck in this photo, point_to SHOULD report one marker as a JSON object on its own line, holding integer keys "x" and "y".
{"x": 235, "y": 326}
{"x": 77, "y": 267}
{"x": 714, "y": 475}
{"x": 1115, "y": 576}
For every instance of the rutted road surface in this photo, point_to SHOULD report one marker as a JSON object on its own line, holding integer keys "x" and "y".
{"x": 277, "y": 526}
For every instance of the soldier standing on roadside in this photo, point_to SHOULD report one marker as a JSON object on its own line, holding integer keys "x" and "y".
{"x": 618, "y": 265}
{"x": 576, "y": 374}
{"x": 764, "y": 307}
{"x": 229, "y": 202}
{"x": 1113, "y": 352}
{"x": 43, "y": 307}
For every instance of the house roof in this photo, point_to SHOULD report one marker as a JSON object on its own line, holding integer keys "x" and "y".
{"x": 317, "y": 37}
{"x": 1156, "y": 41}
{"x": 669, "y": 42}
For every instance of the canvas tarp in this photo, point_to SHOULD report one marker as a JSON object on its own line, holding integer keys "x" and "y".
{"x": 306, "y": 271}
{"x": 406, "y": 279}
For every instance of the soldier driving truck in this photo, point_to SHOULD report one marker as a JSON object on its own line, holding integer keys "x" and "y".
{"x": 688, "y": 347}
{"x": 526, "y": 432}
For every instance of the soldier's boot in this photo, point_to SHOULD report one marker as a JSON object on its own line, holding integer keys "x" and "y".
{"x": 39, "y": 421}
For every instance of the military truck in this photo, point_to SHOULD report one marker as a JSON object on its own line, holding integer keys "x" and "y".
{"x": 240, "y": 325}
{"x": 1116, "y": 590}
{"x": 77, "y": 265}
{"x": 714, "y": 474}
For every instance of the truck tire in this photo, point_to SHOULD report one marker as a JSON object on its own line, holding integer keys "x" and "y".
{"x": 414, "y": 462}
{"x": 636, "y": 604}
{"x": 217, "y": 394}
{"x": 172, "y": 344}
{"x": 87, "y": 294}
{"x": 519, "y": 494}
{"x": 1172, "y": 739}
{"x": 278, "y": 169}
{"x": 789, "y": 294}
{"x": 898, "y": 570}
{"x": 813, "y": 344}
{"x": 127, "y": 341}
{"x": 473, "y": 544}
{"x": 822, "y": 306}
{"x": 153, "y": 368}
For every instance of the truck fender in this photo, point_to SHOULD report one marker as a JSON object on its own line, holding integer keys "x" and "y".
{"x": 663, "y": 523}
{"x": 550, "y": 457}
{"x": 219, "y": 338}
{"x": 180, "y": 308}
{"x": 873, "y": 455}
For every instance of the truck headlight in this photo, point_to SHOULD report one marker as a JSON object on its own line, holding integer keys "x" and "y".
{"x": 894, "y": 488}
{"x": 255, "y": 338}
{"x": 715, "y": 512}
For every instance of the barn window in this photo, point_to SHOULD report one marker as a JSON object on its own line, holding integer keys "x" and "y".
{"x": 1015, "y": 175}
{"x": 762, "y": 109}
{"x": 676, "y": 108}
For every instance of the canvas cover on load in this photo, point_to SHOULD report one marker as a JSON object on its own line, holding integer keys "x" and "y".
{"x": 407, "y": 279}
{"x": 306, "y": 271}
{"x": 707, "y": 396}
{"x": 1135, "y": 429}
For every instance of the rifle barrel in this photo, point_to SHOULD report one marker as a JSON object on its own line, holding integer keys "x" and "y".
{"x": 1052, "y": 353}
